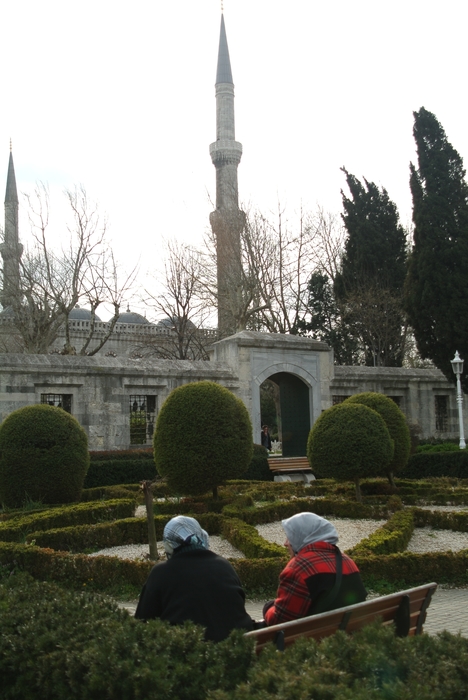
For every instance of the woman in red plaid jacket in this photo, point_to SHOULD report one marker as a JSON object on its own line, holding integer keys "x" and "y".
{"x": 318, "y": 577}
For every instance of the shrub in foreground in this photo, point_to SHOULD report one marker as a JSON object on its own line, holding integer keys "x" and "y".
{"x": 203, "y": 437}
{"x": 55, "y": 644}
{"x": 43, "y": 456}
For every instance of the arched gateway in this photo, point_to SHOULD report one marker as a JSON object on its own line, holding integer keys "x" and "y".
{"x": 300, "y": 367}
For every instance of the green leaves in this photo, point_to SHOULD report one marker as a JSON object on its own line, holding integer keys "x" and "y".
{"x": 436, "y": 285}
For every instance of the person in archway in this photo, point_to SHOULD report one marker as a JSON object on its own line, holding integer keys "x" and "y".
{"x": 318, "y": 577}
{"x": 265, "y": 437}
{"x": 194, "y": 584}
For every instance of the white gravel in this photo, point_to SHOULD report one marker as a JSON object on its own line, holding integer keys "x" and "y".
{"x": 425, "y": 539}
{"x": 350, "y": 533}
{"x": 140, "y": 551}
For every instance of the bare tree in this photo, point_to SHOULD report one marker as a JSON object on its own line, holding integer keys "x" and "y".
{"x": 375, "y": 313}
{"x": 268, "y": 291}
{"x": 53, "y": 280}
{"x": 184, "y": 308}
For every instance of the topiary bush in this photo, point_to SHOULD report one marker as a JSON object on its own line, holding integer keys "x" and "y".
{"x": 203, "y": 437}
{"x": 349, "y": 442}
{"x": 258, "y": 468}
{"x": 43, "y": 456}
{"x": 397, "y": 427}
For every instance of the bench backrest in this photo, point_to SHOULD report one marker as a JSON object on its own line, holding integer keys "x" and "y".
{"x": 406, "y": 609}
{"x": 278, "y": 463}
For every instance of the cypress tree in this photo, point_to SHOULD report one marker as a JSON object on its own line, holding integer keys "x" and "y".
{"x": 375, "y": 250}
{"x": 437, "y": 281}
{"x": 373, "y": 270}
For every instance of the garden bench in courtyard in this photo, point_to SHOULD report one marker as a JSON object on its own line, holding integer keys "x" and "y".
{"x": 288, "y": 466}
{"x": 406, "y": 610}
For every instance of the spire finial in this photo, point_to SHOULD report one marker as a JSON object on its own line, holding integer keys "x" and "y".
{"x": 11, "y": 146}
{"x": 222, "y": 7}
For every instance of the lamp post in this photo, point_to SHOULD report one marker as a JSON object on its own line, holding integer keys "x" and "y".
{"x": 457, "y": 365}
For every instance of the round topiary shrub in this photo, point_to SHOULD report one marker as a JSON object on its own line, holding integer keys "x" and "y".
{"x": 203, "y": 437}
{"x": 43, "y": 456}
{"x": 349, "y": 442}
{"x": 397, "y": 427}
{"x": 259, "y": 469}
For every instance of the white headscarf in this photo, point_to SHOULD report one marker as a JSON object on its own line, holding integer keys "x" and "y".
{"x": 183, "y": 530}
{"x": 306, "y": 528}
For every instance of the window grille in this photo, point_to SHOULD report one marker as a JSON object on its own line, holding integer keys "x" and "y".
{"x": 396, "y": 399}
{"x": 142, "y": 409}
{"x": 338, "y": 398}
{"x": 441, "y": 412}
{"x": 60, "y": 400}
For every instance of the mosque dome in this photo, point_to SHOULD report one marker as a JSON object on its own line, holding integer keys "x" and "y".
{"x": 171, "y": 323}
{"x": 80, "y": 314}
{"x": 132, "y": 317}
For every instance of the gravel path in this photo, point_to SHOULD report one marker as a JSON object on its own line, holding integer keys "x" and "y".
{"x": 350, "y": 533}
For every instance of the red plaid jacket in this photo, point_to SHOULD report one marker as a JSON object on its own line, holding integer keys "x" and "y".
{"x": 308, "y": 575}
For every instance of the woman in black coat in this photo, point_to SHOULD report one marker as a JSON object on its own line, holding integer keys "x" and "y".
{"x": 194, "y": 584}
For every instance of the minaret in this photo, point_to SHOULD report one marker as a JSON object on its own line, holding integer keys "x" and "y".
{"x": 11, "y": 249}
{"x": 227, "y": 221}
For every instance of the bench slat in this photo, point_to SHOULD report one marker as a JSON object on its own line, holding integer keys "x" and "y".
{"x": 325, "y": 624}
{"x": 287, "y": 464}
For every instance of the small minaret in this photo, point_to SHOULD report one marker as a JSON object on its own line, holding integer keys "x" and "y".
{"x": 11, "y": 249}
{"x": 227, "y": 221}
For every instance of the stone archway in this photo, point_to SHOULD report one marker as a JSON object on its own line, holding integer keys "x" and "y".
{"x": 294, "y": 400}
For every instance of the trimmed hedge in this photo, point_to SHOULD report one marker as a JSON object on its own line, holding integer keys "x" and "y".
{"x": 103, "y": 455}
{"x": 83, "y": 513}
{"x": 119, "y": 471}
{"x": 430, "y": 464}
{"x": 417, "y": 569}
{"x": 440, "y": 520}
{"x": 111, "y": 492}
{"x": 278, "y": 510}
{"x": 392, "y": 537}
{"x": 246, "y": 538}
{"x": 98, "y": 572}
{"x": 43, "y": 456}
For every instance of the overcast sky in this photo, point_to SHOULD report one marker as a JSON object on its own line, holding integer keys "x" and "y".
{"x": 120, "y": 97}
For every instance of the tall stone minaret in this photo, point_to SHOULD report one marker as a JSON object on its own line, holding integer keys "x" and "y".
{"x": 227, "y": 221}
{"x": 11, "y": 249}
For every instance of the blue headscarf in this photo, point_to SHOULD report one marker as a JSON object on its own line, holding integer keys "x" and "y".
{"x": 183, "y": 531}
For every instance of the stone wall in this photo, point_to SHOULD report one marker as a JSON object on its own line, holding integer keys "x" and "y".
{"x": 99, "y": 388}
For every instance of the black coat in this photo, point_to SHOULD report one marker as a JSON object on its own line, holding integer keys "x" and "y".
{"x": 266, "y": 440}
{"x": 196, "y": 585}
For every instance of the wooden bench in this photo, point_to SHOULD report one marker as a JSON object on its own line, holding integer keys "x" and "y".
{"x": 288, "y": 464}
{"x": 406, "y": 610}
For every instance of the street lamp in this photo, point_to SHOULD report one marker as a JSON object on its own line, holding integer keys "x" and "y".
{"x": 457, "y": 365}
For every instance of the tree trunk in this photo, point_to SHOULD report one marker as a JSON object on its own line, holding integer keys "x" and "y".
{"x": 358, "y": 491}
{"x": 148, "y": 494}
{"x": 215, "y": 492}
{"x": 391, "y": 480}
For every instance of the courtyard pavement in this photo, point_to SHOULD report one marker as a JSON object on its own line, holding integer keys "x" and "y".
{"x": 448, "y": 611}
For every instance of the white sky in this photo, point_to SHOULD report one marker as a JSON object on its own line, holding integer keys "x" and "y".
{"x": 120, "y": 97}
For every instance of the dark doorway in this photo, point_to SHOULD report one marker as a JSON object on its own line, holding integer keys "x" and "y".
{"x": 295, "y": 413}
